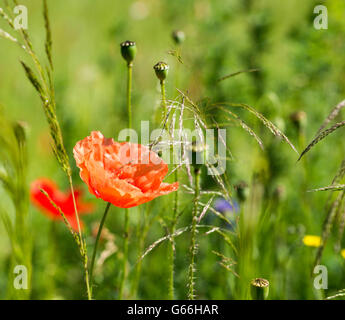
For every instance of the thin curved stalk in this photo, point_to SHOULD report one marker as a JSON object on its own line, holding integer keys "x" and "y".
{"x": 97, "y": 241}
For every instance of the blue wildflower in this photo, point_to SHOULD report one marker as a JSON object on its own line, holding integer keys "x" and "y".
{"x": 224, "y": 206}
{"x": 228, "y": 210}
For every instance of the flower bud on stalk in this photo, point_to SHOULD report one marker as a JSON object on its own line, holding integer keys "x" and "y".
{"x": 242, "y": 190}
{"x": 161, "y": 69}
{"x": 128, "y": 51}
{"x": 299, "y": 119}
{"x": 19, "y": 129}
{"x": 178, "y": 36}
{"x": 259, "y": 289}
{"x": 280, "y": 193}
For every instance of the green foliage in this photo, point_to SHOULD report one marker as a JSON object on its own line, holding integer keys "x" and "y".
{"x": 285, "y": 66}
{"x": 13, "y": 171}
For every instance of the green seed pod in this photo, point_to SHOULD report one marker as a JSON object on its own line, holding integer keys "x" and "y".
{"x": 242, "y": 191}
{"x": 161, "y": 69}
{"x": 128, "y": 51}
{"x": 259, "y": 289}
{"x": 19, "y": 129}
{"x": 299, "y": 119}
{"x": 280, "y": 193}
{"x": 178, "y": 36}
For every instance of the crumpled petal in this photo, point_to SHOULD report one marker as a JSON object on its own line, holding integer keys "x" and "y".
{"x": 122, "y": 173}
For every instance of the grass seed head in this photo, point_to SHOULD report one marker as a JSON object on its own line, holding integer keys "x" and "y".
{"x": 242, "y": 191}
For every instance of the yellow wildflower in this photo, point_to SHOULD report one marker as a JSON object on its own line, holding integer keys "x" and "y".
{"x": 342, "y": 252}
{"x": 312, "y": 241}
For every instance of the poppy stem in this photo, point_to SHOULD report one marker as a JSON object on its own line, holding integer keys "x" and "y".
{"x": 164, "y": 102}
{"x": 126, "y": 226}
{"x": 193, "y": 247}
{"x": 99, "y": 232}
{"x": 171, "y": 264}
{"x": 129, "y": 89}
{"x": 142, "y": 233}
{"x": 172, "y": 245}
{"x": 125, "y": 253}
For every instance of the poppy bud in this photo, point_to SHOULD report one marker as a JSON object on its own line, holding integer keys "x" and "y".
{"x": 299, "y": 119}
{"x": 19, "y": 131}
{"x": 178, "y": 36}
{"x": 242, "y": 190}
{"x": 259, "y": 289}
{"x": 128, "y": 51}
{"x": 280, "y": 193}
{"x": 161, "y": 69}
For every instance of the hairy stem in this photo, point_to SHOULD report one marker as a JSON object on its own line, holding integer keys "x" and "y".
{"x": 193, "y": 247}
{"x": 172, "y": 245}
{"x": 129, "y": 89}
{"x": 164, "y": 103}
{"x": 126, "y": 226}
{"x": 142, "y": 233}
{"x": 171, "y": 264}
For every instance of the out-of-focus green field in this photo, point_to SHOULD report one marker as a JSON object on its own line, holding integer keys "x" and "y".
{"x": 301, "y": 68}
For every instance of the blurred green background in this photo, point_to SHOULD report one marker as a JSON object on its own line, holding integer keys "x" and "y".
{"x": 301, "y": 69}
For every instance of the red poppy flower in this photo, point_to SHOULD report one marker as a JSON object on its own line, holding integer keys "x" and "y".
{"x": 63, "y": 200}
{"x": 124, "y": 174}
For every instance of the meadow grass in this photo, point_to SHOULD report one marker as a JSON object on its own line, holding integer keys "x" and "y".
{"x": 275, "y": 84}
